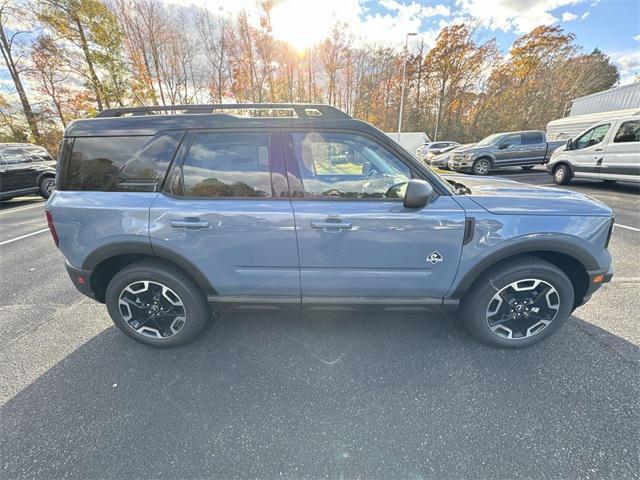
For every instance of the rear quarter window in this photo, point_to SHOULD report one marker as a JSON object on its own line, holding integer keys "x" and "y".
{"x": 628, "y": 132}
{"x": 108, "y": 164}
{"x": 532, "y": 138}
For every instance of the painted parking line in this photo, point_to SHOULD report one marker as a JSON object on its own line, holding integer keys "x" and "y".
{"x": 627, "y": 227}
{"x": 23, "y": 236}
{"x": 19, "y": 209}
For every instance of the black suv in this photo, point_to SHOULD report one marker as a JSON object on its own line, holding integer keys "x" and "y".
{"x": 26, "y": 169}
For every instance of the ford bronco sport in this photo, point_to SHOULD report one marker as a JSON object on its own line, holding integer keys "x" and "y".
{"x": 165, "y": 212}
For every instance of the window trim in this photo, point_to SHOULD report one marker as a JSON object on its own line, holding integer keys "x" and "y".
{"x": 185, "y": 147}
{"x": 289, "y": 156}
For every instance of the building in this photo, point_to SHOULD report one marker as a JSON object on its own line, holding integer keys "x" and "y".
{"x": 585, "y": 111}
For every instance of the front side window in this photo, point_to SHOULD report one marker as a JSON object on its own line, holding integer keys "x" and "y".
{"x": 227, "y": 165}
{"x": 348, "y": 166}
{"x": 628, "y": 132}
{"x": 512, "y": 140}
{"x": 591, "y": 137}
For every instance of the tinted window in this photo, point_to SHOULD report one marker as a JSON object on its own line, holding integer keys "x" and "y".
{"x": 531, "y": 138}
{"x": 14, "y": 156}
{"x": 227, "y": 165}
{"x": 120, "y": 163}
{"x": 341, "y": 165}
{"x": 512, "y": 140}
{"x": 628, "y": 132}
{"x": 37, "y": 154}
{"x": 591, "y": 137}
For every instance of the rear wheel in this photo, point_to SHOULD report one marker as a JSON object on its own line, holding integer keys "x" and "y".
{"x": 561, "y": 174}
{"x": 47, "y": 186}
{"x": 157, "y": 304}
{"x": 482, "y": 166}
{"x": 518, "y": 303}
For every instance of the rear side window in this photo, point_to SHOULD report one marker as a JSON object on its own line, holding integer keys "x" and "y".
{"x": 112, "y": 164}
{"x": 628, "y": 132}
{"x": 13, "y": 157}
{"x": 532, "y": 138}
{"x": 37, "y": 154}
{"x": 226, "y": 165}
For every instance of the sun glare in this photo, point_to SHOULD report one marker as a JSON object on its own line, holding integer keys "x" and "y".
{"x": 301, "y": 23}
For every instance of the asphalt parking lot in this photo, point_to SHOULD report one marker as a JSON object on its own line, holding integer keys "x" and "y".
{"x": 322, "y": 395}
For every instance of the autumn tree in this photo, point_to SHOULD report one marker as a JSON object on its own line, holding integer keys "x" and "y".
{"x": 8, "y": 40}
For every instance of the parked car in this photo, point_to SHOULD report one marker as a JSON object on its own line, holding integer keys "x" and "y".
{"x": 25, "y": 169}
{"x": 162, "y": 217}
{"x": 429, "y": 150}
{"x": 608, "y": 151}
{"x": 442, "y": 160}
{"x": 519, "y": 149}
{"x": 410, "y": 141}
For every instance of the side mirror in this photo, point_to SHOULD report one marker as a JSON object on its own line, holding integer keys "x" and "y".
{"x": 569, "y": 144}
{"x": 417, "y": 194}
{"x": 504, "y": 145}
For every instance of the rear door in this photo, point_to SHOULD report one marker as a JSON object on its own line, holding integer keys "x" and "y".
{"x": 225, "y": 209}
{"x": 621, "y": 160}
{"x": 588, "y": 151}
{"x": 357, "y": 242}
{"x": 534, "y": 147}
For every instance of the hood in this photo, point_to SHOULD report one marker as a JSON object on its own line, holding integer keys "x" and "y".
{"x": 508, "y": 197}
{"x": 471, "y": 147}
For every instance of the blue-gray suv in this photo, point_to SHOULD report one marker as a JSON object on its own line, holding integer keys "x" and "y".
{"x": 167, "y": 214}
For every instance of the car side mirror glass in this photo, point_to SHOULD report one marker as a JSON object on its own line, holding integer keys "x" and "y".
{"x": 417, "y": 194}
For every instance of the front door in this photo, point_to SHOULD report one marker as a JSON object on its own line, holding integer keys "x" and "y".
{"x": 356, "y": 240}
{"x": 18, "y": 171}
{"x": 510, "y": 151}
{"x": 221, "y": 212}
{"x": 588, "y": 152}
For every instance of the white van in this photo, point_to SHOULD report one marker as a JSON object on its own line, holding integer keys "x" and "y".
{"x": 608, "y": 150}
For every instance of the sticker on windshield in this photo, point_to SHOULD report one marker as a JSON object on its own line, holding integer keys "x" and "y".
{"x": 435, "y": 257}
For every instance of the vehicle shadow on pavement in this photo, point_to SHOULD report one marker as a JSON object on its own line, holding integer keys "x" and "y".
{"x": 330, "y": 395}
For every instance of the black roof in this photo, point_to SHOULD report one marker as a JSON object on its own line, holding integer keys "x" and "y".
{"x": 151, "y": 120}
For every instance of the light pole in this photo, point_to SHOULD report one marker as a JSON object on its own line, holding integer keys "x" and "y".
{"x": 404, "y": 74}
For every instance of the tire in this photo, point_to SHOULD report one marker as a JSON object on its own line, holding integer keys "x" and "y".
{"x": 485, "y": 306}
{"x": 527, "y": 167}
{"x": 481, "y": 166}
{"x": 47, "y": 186}
{"x": 175, "y": 292}
{"x": 561, "y": 174}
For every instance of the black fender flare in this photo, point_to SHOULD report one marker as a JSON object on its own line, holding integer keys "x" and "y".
{"x": 532, "y": 246}
{"x": 145, "y": 248}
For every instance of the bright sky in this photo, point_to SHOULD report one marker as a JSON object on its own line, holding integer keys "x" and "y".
{"x": 611, "y": 25}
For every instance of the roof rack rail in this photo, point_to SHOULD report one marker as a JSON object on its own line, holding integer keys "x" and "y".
{"x": 301, "y": 110}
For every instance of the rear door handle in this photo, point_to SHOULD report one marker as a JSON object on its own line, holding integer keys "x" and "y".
{"x": 191, "y": 223}
{"x": 332, "y": 225}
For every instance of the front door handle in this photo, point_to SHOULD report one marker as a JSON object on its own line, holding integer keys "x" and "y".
{"x": 191, "y": 223}
{"x": 598, "y": 149}
{"x": 332, "y": 225}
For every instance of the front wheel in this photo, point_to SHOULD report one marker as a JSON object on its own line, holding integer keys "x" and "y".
{"x": 481, "y": 166}
{"x": 561, "y": 175}
{"x": 518, "y": 303}
{"x": 157, "y": 304}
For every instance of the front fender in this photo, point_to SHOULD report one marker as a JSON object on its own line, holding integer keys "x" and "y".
{"x": 499, "y": 237}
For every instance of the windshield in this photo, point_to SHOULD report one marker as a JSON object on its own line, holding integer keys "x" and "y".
{"x": 491, "y": 139}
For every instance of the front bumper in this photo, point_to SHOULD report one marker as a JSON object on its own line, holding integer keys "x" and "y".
{"x": 458, "y": 165}
{"x": 81, "y": 279}
{"x": 597, "y": 278}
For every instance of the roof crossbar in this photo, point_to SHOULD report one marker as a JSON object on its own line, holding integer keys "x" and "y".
{"x": 301, "y": 110}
